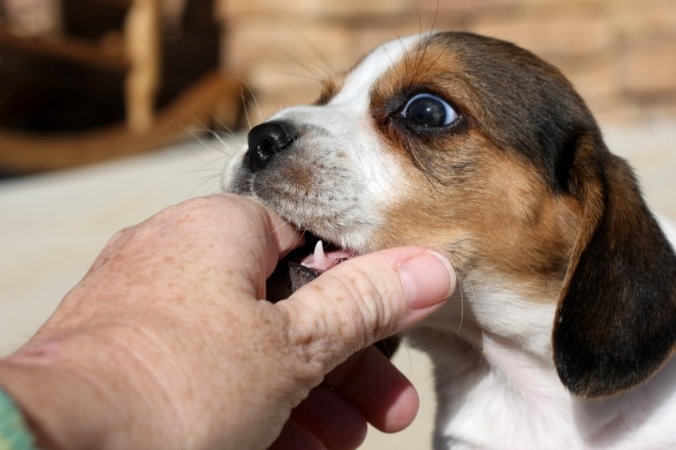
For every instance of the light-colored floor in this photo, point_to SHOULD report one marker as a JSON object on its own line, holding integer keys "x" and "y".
{"x": 53, "y": 226}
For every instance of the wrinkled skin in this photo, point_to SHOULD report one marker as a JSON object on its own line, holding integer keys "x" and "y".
{"x": 165, "y": 343}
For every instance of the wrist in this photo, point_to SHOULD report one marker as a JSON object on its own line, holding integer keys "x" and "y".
{"x": 56, "y": 406}
{"x": 84, "y": 399}
{"x": 14, "y": 432}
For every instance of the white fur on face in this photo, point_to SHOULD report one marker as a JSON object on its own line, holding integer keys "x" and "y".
{"x": 353, "y": 176}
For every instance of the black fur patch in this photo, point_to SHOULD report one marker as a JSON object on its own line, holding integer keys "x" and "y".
{"x": 530, "y": 106}
{"x": 616, "y": 323}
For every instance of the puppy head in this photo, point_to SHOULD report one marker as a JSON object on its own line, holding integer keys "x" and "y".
{"x": 479, "y": 149}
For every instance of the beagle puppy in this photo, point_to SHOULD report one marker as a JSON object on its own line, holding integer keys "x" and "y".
{"x": 562, "y": 332}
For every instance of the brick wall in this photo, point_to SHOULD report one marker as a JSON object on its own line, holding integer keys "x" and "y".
{"x": 620, "y": 54}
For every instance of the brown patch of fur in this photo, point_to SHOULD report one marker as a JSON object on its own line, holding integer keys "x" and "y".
{"x": 503, "y": 219}
{"x": 330, "y": 88}
{"x": 484, "y": 205}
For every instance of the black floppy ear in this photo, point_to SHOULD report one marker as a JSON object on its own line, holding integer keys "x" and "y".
{"x": 616, "y": 319}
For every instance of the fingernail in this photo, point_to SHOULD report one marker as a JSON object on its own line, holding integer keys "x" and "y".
{"x": 428, "y": 279}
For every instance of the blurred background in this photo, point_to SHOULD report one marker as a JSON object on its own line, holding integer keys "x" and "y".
{"x": 620, "y": 54}
{"x": 111, "y": 110}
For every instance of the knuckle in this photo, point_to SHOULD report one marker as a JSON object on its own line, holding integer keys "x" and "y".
{"x": 344, "y": 311}
{"x": 352, "y": 304}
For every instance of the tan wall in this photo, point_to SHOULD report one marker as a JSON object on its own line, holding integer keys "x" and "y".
{"x": 620, "y": 54}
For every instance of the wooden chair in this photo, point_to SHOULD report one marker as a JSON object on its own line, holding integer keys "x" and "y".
{"x": 137, "y": 57}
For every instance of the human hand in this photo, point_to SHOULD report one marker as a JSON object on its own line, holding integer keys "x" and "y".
{"x": 165, "y": 343}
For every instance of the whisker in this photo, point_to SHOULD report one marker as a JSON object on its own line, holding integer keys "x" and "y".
{"x": 246, "y": 111}
{"x": 315, "y": 71}
{"x": 462, "y": 303}
{"x": 223, "y": 128}
{"x": 315, "y": 49}
{"x": 483, "y": 332}
{"x": 434, "y": 21}
{"x": 253, "y": 98}
{"x": 307, "y": 77}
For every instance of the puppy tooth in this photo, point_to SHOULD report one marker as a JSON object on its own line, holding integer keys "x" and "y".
{"x": 320, "y": 257}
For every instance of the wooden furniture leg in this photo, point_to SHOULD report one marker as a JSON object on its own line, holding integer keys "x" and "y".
{"x": 142, "y": 33}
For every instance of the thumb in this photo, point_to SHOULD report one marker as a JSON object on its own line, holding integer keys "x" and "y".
{"x": 366, "y": 299}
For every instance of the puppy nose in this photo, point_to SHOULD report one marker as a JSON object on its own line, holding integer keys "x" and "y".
{"x": 267, "y": 140}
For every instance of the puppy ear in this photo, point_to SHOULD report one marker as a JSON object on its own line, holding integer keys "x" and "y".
{"x": 615, "y": 323}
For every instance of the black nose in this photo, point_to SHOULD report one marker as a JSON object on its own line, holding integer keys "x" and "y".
{"x": 265, "y": 141}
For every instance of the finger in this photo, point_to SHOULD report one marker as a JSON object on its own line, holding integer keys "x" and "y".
{"x": 284, "y": 237}
{"x": 295, "y": 437}
{"x": 337, "y": 375}
{"x": 236, "y": 228}
{"x": 380, "y": 391}
{"x": 364, "y": 300}
{"x": 249, "y": 238}
{"x": 334, "y": 421}
{"x": 224, "y": 242}
{"x": 252, "y": 220}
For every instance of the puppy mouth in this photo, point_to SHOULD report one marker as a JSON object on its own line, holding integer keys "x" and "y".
{"x": 303, "y": 265}
{"x": 317, "y": 256}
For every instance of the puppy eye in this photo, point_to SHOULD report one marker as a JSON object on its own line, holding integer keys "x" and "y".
{"x": 427, "y": 110}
